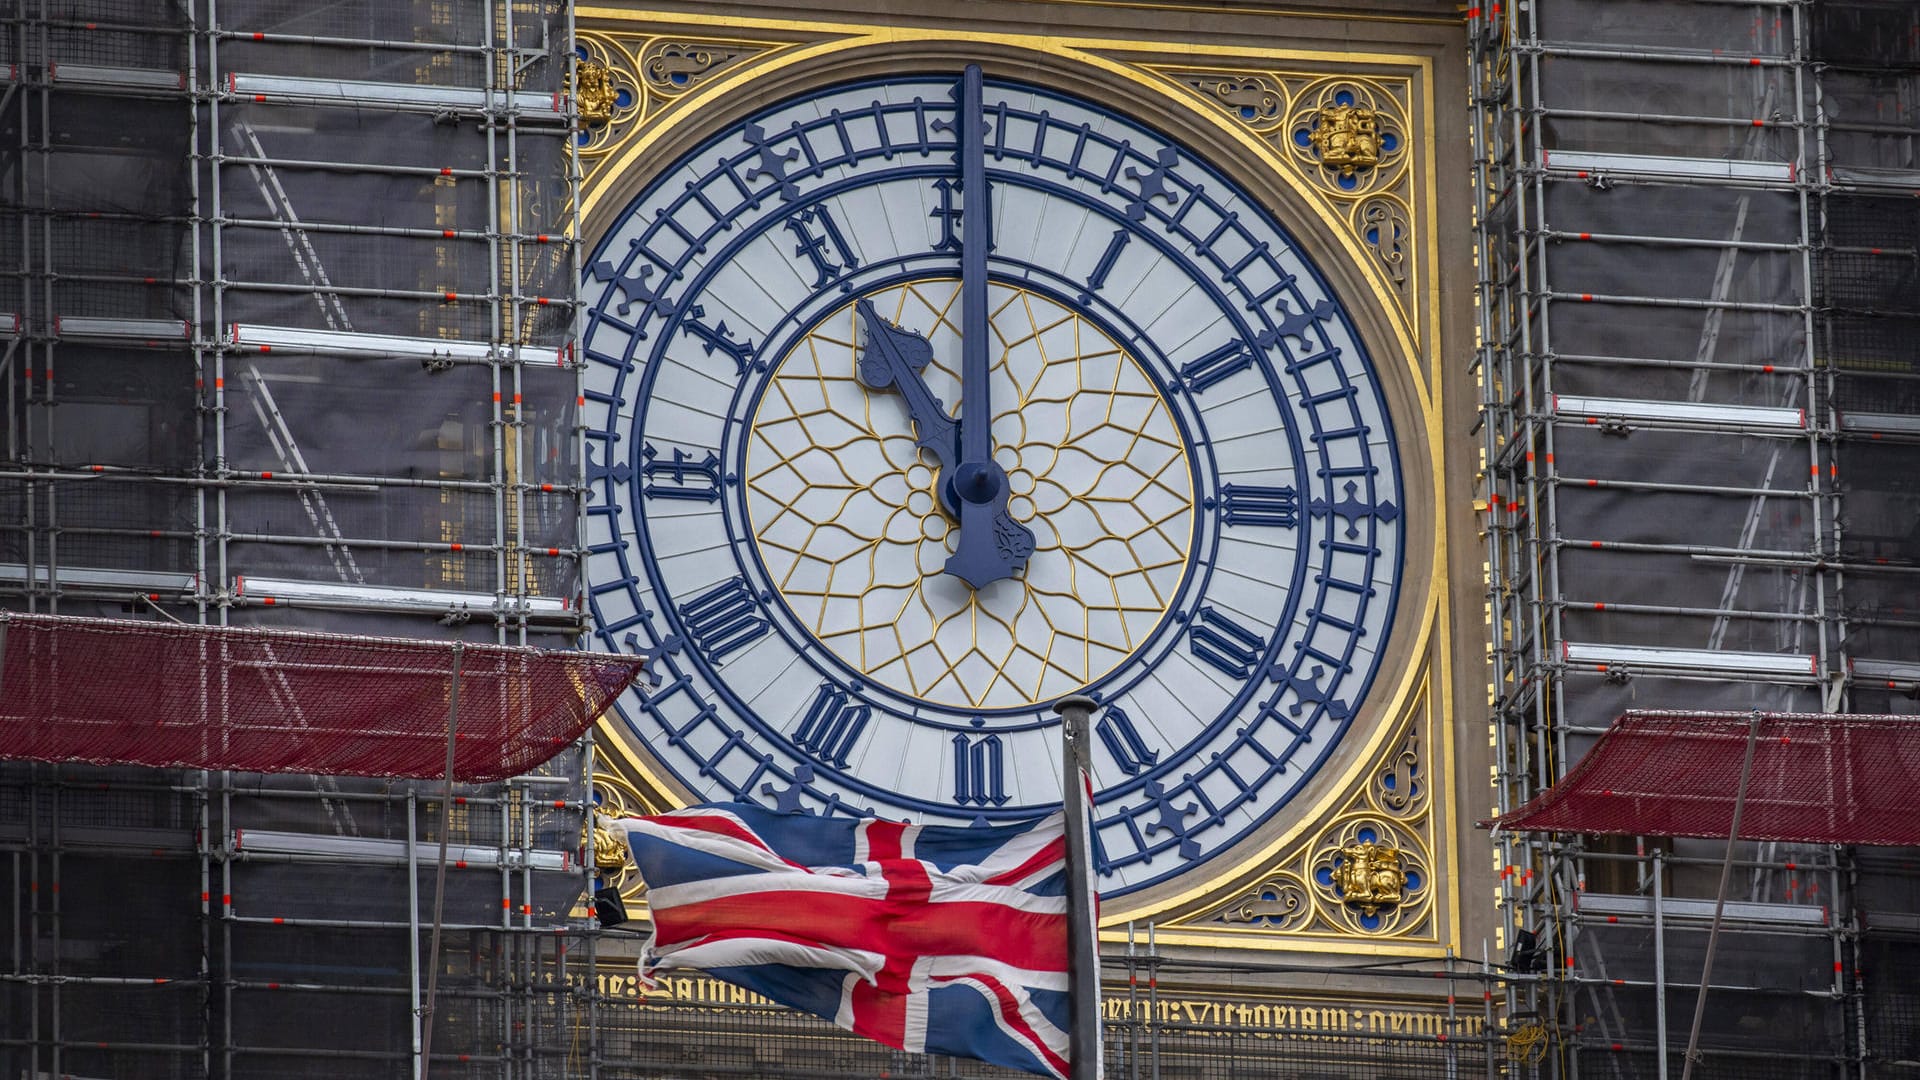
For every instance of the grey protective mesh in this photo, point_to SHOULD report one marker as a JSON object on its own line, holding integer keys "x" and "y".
{"x": 1691, "y": 457}
{"x": 1595, "y": 699}
{"x": 1671, "y": 211}
{"x": 1686, "y": 334}
{"x": 424, "y": 21}
{"x": 147, "y": 34}
{"x": 1881, "y": 35}
{"x": 1661, "y": 23}
{"x": 376, "y": 417}
{"x": 1666, "y": 272}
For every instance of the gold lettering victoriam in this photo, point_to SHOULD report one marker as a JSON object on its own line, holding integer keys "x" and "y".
{"x": 1262, "y": 1019}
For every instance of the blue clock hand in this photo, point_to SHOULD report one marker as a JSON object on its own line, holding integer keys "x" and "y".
{"x": 892, "y": 359}
{"x": 991, "y": 544}
{"x": 976, "y": 237}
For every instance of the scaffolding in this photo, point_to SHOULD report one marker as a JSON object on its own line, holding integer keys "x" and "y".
{"x": 1700, "y": 431}
{"x": 286, "y": 297}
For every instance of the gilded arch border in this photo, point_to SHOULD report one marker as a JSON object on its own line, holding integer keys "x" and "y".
{"x": 734, "y": 65}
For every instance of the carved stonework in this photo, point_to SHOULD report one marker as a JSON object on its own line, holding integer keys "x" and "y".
{"x": 1372, "y": 874}
{"x": 1368, "y": 876}
{"x": 1350, "y": 134}
{"x": 1280, "y": 903}
{"x": 1347, "y": 138}
{"x": 593, "y": 92}
{"x": 675, "y": 67}
{"x": 1385, "y": 228}
{"x": 1363, "y": 177}
{"x": 1256, "y": 100}
{"x": 609, "y": 851}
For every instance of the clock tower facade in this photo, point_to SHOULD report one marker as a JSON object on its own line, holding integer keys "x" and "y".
{"x": 938, "y": 368}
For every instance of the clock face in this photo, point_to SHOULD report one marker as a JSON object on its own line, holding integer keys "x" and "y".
{"x": 1175, "y": 486}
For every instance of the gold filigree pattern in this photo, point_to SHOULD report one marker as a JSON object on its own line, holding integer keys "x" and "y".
{"x": 609, "y": 853}
{"x": 1282, "y": 902}
{"x": 844, "y": 507}
{"x": 675, "y": 67}
{"x": 1257, "y": 100}
{"x": 1348, "y": 137}
{"x": 1385, "y": 228}
{"x": 1270, "y": 903}
{"x": 1399, "y": 785}
{"x": 645, "y": 75}
{"x": 1364, "y": 872}
{"x": 1351, "y": 135}
{"x": 1368, "y": 876}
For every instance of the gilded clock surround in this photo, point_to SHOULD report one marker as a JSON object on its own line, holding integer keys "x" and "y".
{"x": 1375, "y": 239}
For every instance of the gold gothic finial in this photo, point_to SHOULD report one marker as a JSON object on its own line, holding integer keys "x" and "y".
{"x": 593, "y": 92}
{"x": 1347, "y": 138}
{"x": 1370, "y": 876}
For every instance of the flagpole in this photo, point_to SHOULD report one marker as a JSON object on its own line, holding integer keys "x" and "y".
{"x": 1083, "y": 953}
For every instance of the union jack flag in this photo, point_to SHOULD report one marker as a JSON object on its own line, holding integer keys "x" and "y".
{"x": 927, "y": 938}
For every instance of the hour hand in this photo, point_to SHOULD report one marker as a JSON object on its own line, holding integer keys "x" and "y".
{"x": 892, "y": 359}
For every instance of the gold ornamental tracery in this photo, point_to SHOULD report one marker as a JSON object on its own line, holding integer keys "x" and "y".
{"x": 846, "y": 517}
{"x": 1350, "y": 137}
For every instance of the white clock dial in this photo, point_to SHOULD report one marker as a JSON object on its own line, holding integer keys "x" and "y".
{"x": 1184, "y": 420}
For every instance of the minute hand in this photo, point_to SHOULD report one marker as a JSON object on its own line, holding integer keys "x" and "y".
{"x": 976, "y": 238}
{"x": 991, "y": 545}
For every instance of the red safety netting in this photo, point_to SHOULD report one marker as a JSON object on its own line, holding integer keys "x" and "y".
{"x": 1817, "y": 778}
{"x": 110, "y": 692}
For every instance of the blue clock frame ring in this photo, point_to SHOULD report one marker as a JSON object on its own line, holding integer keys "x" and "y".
{"x": 916, "y": 404}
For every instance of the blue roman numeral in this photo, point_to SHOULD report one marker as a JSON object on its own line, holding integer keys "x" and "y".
{"x": 1224, "y": 362}
{"x": 948, "y": 214}
{"x": 979, "y": 771}
{"x": 717, "y": 337}
{"x": 1098, "y": 279}
{"x": 832, "y": 725}
{"x": 1225, "y": 644}
{"x": 816, "y": 248}
{"x": 1244, "y": 504}
{"x": 1123, "y": 741}
{"x": 680, "y": 477}
{"x": 724, "y": 619}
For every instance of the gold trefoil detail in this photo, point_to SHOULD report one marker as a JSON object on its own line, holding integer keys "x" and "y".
{"x": 593, "y": 93}
{"x": 1347, "y": 137}
{"x": 1370, "y": 876}
{"x": 843, "y": 508}
{"x": 1281, "y": 902}
{"x": 673, "y": 67}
